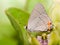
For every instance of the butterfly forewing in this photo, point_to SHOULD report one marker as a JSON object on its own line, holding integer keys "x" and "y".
{"x": 38, "y": 19}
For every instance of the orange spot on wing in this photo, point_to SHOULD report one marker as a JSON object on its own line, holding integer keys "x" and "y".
{"x": 49, "y": 23}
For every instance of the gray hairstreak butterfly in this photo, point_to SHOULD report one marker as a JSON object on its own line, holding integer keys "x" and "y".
{"x": 39, "y": 21}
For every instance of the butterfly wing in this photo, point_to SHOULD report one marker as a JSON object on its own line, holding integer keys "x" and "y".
{"x": 38, "y": 19}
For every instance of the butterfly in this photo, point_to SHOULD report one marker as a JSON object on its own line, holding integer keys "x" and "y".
{"x": 39, "y": 21}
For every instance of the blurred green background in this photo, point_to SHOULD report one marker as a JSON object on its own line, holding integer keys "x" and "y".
{"x": 8, "y": 35}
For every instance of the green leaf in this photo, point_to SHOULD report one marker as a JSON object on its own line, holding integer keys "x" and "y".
{"x": 54, "y": 38}
{"x": 18, "y": 19}
{"x": 6, "y": 34}
{"x": 21, "y": 16}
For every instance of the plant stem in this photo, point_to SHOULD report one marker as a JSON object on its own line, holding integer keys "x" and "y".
{"x": 27, "y": 4}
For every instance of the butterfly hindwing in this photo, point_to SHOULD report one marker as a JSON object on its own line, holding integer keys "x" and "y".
{"x": 38, "y": 19}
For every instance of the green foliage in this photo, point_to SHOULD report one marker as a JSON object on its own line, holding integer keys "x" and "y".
{"x": 46, "y": 3}
{"x": 17, "y": 18}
